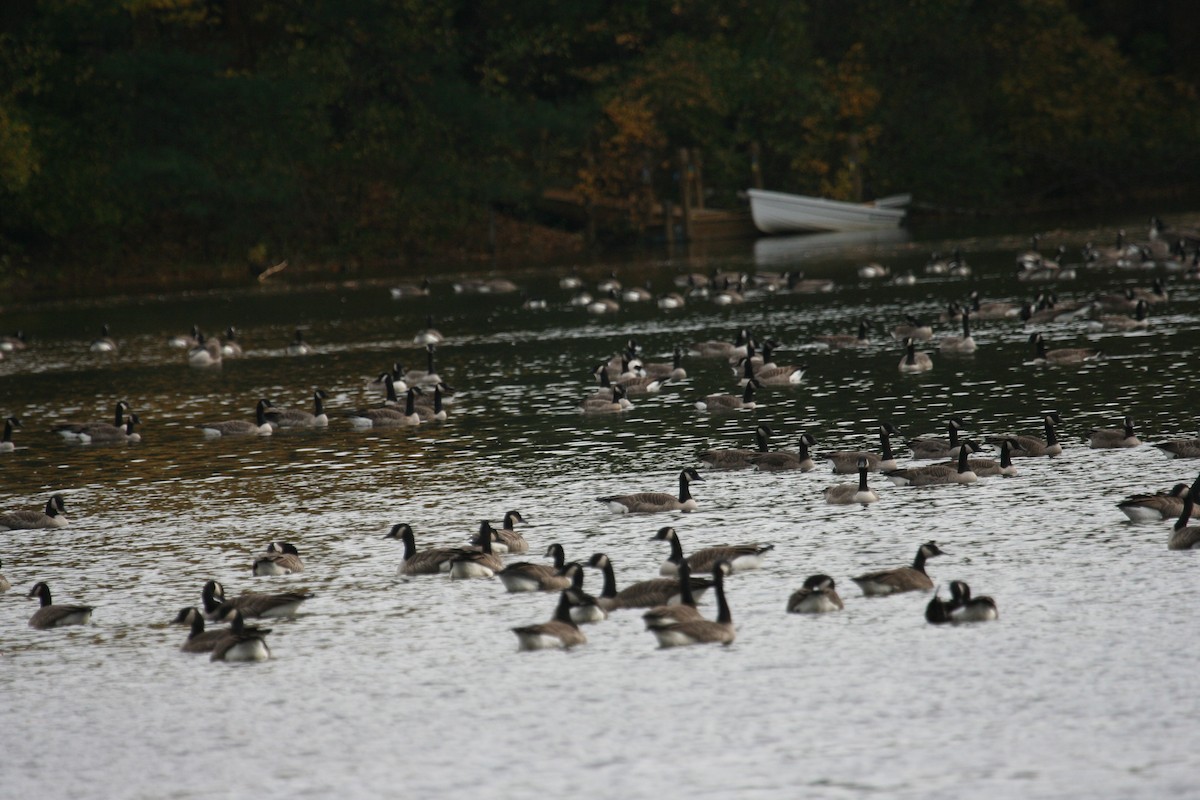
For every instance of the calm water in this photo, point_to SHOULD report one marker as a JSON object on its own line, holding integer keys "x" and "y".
{"x": 386, "y": 686}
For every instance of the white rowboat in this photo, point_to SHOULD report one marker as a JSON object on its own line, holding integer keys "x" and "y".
{"x": 776, "y": 212}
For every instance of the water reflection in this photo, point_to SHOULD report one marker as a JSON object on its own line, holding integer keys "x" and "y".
{"x": 373, "y": 654}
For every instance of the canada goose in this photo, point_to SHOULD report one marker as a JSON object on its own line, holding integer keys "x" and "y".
{"x": 604, "y": 305}
{"x": 486, "y": 531}
{"x": 937, "y": 474}
{"x": 55, "y": 616}
{"x": 738, "y": 458}
{"x": 481, "y": 563}
{"x": 770, "y": 376}
{"x": 1157, "y": 293}
{"x": 654, "y": 502}
{"x": 989, "y": 467}
{"x": 845, "y": 494}
{"x": 230, "y": 347}
{"x": 387, "y": 416}
{"x": 410, "y": 289}
{"x": 1108, "y": 438}
{"x": 817, "y": 596}
{"x": 1051, "y": 309}
{"x": 637, "y": 294}
{"x": 1047, "y": 270}
{"x": 571, "y": 281}
{"x": 1183, "y": 535}
{"x": 435, "y": 411}
{"x": 936, "y": 265}
{"x": 106, "y": 434}
{"x": 731, "y": 294}
{"x": 672, "y": 370}
{"x": 683, "y": 611}
{"x": 798, "y": 284}
{"x": 431, "y": 561}
{"x": 671, "y": 301}
{"x": 77, "y": 430}
{"x": 636, "y": 385}
{"x": 703, "y": 631}
{"x": 429, "y": 334}
{"x": 489, "y": 286}
{"x": 53, "y": 517}
{"x": 783, "y": 460}
{"x": 9, "y": 344}
{"x": 914, "y": 329}
{"x": 906, "y": 278}
{"x": 425, "y": 377}
{"x": 298, "y": 418}
{"x": 959, "y": 344}
{"x": 1123, "y": 302}
{"x": 1159, "y": 230}
{"x": 845, "y": 462}
{"x": 605, "y": 371}
{"x": 718, "y": 349}
{"x": 1119, "y": 323}
{"x": 104, "y": 343}
{"x": 609, "y": 284}
{"x": 4, "y": 584}
{"x": 396, "y": 373}
{"x": 509, "y": 536}
{"x": 841, "y": 341}
{"x": 526, "y": 576}
{"x": 299, "y": 347}
{"x": 581, "y": 299}
{"x": 1066, "y": 355}
{"x": 643, "y": 594}
{"x": 585, "y": 609}
{"x": 761, "y": 358}
{"x": 241, "y": 427}
{"x": 914, "y": 361}
{"x": 873, "y": 271}
{"x": 560, "y": 632}
{"x": 186, "y": 341}
{"x": 601, "y": 403}
{"x": 1181, "y": 448}
{"x": 6, "y": 444}
{"x": 1154, "y": 507}
{"x": 991, "y": 310}
{"x": 1031, "y": 258}
{"x": 252, "y": 604}
{"x": 1032, "y": 446}
{"x": 741, "y": 557}
{"x": 240, "y": 643}
{"x": 927, "y": 447}
{"x": 281, "y": 558}
{"x": 529, "y": 303}
{"x": 717, "y": 403}
{"x": 961, "y": 607}
{"x": 198, "y": 640}
{"x": 955, "y": 266}
{"x": 206, "y": 353}
{"x": 901, "y": 579}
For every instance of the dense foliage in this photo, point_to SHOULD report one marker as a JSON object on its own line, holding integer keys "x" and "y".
{"x": 222, "y": 130}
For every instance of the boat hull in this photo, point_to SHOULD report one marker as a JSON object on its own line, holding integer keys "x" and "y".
{"x": 777, "y": 212}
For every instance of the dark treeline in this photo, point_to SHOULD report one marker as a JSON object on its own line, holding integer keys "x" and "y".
{"x": 203, "y": 131}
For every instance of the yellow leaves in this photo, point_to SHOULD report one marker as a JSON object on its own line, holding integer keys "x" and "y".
{"x": 838, "y": 137}
{"x": 178, "y": 12}
{"x": 627, "y": 134}
{"x": 18, "y": 161}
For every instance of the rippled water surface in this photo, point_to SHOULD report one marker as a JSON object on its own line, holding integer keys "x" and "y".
{"x": 388, "y": 686}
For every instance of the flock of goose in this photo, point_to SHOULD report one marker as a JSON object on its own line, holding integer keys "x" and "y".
{"x": 668, "y": 601}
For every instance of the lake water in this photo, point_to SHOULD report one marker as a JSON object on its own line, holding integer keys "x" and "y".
{"x": 387, "y": 686}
